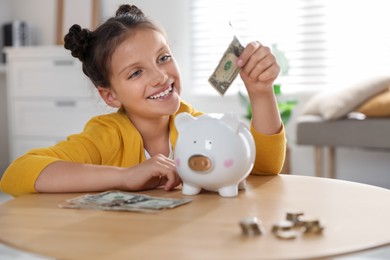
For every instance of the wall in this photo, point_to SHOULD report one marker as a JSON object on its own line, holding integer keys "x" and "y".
{"x": 3, "y": 124}
{"x": 41, "y": 15}
{"x": 5, "y": 16}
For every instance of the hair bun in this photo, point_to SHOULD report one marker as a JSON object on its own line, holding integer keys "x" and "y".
{"x": 77, "y": 41}
{"x": 129, "y": 10}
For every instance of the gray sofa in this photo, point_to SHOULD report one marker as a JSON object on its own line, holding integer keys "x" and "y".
{"x": 369, "y": 133}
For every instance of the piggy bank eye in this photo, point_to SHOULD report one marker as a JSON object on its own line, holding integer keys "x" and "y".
{"x": 208, "y": 144}
{"x": 194, "y": 141}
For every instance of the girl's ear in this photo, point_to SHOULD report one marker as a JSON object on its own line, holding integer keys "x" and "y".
{"x": 109, "y": 96}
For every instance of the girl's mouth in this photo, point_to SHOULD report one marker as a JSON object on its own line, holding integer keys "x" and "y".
{"x": 162, "y": 94}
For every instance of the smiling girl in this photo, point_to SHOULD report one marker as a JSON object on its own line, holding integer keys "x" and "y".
{"x": 130, "y": 62}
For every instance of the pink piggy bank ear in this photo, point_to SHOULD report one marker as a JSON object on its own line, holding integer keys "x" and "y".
{"x": 182, "y": 120}
{"x": 232, "y": 121}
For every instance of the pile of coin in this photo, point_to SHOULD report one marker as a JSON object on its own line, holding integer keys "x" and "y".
{"x": 295, "y": 225}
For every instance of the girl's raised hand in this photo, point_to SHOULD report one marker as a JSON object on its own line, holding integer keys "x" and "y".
{"x": 259, "y": 68}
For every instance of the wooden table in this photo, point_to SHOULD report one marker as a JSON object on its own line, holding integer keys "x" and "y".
{"x": 356, "y": 217}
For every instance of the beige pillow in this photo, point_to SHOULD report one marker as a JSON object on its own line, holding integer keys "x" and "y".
{"x": 377, "y": 106}
{"x": 335, "y": 104}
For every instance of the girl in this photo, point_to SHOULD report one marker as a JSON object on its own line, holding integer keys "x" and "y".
{"x": 129, "y": 61}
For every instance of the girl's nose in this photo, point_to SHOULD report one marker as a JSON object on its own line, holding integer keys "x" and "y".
{"x": 160, "y": 79}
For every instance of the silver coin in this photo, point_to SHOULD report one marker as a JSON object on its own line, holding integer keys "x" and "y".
{"x": 251, "y": 226}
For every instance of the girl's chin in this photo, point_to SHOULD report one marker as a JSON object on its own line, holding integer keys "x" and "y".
{"x": 175, "y": 102}
{"x": 169, "y": 106}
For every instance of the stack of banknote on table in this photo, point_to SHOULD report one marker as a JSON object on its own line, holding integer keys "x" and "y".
{"x": 122, "y": 201}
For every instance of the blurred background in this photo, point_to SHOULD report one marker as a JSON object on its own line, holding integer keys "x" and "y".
{"x": 319, "y": 44}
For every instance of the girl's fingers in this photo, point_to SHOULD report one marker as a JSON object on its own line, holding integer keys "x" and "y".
{"x": 259, "y": 68}
{"x": 166, "y": 172}
{"x": 258, "y": 63}
{"x": 247, "y": 53}
{"x": 154, "y": 172}
{"x": 170, "y": 180}
{"x": 270, "y": 74}
{"x": 266, "y": 70}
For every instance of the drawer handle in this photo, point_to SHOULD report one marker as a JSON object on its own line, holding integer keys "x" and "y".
{"x": 68, "y": 103}
{"x": 63, "y": 62}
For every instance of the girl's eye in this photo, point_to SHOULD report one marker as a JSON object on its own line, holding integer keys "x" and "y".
{"x": 165, "y": 58}
{"x": 135, "y": 74}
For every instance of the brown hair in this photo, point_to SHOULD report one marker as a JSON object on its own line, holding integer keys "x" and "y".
{"x": 95, "y": 48}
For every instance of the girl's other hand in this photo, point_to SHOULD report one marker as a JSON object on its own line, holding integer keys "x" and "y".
{"x": 155, "y": 172}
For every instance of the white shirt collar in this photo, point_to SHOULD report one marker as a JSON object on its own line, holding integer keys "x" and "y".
{"x": 147, "y": 155}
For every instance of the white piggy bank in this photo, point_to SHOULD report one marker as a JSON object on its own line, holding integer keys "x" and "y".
{"x": 214, "y": 152}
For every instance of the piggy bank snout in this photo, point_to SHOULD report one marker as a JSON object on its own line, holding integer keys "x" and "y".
{"x": 199, "y": 163}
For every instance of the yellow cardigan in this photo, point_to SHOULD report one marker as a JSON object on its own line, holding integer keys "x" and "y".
{"x": 113, "y": 140}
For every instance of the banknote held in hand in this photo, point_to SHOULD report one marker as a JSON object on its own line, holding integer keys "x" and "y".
{"x": 227, "y": 69}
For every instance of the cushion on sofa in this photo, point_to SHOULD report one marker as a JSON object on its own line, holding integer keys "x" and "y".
{"x": 377, "y": 106}
{"x": 335, "y": 104}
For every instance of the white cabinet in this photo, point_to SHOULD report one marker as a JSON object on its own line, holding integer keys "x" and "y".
{"x": 48, "y": 97}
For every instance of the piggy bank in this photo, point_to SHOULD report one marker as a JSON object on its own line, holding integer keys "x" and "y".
{"x": 215, "y": 152}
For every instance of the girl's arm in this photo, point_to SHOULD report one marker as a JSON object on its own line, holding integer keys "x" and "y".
{"x": 258, "y": 71}
{"x": 63, "y": 176}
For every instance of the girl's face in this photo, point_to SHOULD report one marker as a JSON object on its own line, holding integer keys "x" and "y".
{"x": 145, "y": 78}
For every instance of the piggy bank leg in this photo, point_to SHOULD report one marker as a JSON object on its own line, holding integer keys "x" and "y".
{"x": 190, "y": 189}
{"x": 229, "y": 191}
{"x": 242, "y": 185}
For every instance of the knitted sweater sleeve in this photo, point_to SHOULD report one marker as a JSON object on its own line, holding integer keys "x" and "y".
{"x": 270, "y": 152}
{"x": 99, "y": 143}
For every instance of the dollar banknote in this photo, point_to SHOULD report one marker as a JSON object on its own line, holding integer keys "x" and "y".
{"x": 122, "y": 201}
{"x": 227, "y": 69}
